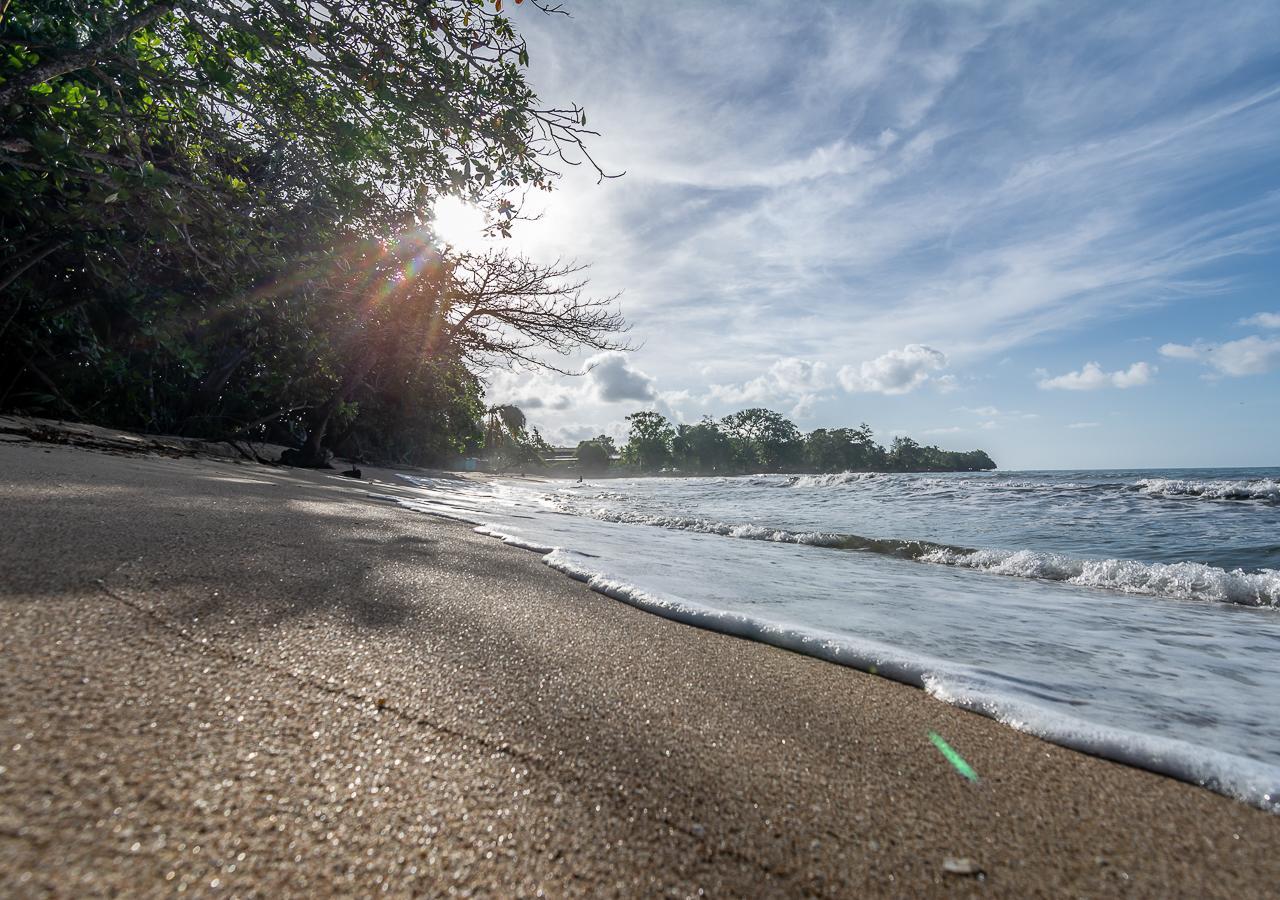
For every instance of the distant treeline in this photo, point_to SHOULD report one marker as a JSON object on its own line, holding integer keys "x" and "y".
{"x": 760, "y": 440}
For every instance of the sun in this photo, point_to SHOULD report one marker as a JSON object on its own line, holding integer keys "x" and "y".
{"x": 460, "y": 224}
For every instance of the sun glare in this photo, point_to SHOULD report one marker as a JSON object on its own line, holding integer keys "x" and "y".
{"x": 459, "y": 224}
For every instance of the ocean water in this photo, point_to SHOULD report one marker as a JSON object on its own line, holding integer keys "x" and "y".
{"x": 1130, "y": 614}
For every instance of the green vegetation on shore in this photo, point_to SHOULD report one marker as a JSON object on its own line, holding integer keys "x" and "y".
{"x": 215, "y": 220}
{"x": 761, "y": 440}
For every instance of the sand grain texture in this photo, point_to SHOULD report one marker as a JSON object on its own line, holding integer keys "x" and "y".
{"x": 260, "y": 682}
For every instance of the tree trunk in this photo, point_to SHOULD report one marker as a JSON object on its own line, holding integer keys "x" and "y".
{"x": 312, "y": 454}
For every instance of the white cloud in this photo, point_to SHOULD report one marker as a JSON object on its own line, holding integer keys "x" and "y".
{"x": 1091, "y": 377}
{"x": 1180, "y": 351}
{"x": 528, "y": 390}
{"x": 1085, "y": 425}
{"x": 795, "y": 187}
{"x": 788, "y": 380}
{"x": 570, "y": 435}
{"x": 895, "y": 372}
{"x": 1263, "y": 320}
{"x": 803, "y": 407}
{"x": 1252, "y": 355}
{"x": 984, "y": 411}
{"x": 614, "y": 379}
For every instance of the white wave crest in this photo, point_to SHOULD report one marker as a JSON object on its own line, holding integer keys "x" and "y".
{"x": 831, "y": 480}
{"x": 1260, "y": 489}
{"x": 748, "y": 531}
{"x": 1180, "y": 581}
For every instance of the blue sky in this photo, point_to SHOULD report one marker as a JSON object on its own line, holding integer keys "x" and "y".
{"x": 1048, "y": 230}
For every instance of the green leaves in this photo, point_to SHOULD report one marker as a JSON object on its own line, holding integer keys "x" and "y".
{"x": 186, "y": 191}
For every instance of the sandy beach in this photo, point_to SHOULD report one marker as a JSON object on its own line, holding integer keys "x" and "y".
{"x": 234, "y": 678}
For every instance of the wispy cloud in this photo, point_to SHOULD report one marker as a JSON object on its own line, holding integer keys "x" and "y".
{"x": 1263, "y": 320}
{"x": 808, "y": 184}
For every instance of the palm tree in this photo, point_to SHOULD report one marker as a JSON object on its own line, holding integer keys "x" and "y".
{"x": 506, "y": 424}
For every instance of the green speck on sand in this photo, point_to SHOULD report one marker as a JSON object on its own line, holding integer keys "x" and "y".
{"x": 952, "y": 756}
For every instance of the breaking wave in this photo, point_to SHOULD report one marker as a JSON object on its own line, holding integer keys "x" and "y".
{"x": 1260, "y": 489}
{"x": 1179, "y": 581}
{"x": 831, "y": 480}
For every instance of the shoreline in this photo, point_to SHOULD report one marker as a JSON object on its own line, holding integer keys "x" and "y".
{"x": 1240, "y": 778}
{"x": 201, "y": 654}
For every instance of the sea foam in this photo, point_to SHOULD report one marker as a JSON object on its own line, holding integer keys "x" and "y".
{"x": 1060, "y": 649}
{"x": 1178, "y": 581}
{"x": 1258, "y": 489}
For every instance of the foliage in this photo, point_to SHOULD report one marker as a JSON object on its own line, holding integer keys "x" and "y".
{"x": 215, "y": 217}
{"x": 760, "y": 440}
{"x": 843, "y": 449}
{"x": 649, "y": 441}
{"x": 703, "y": 448}
{"x": 593, "y": 457}
{"x": 764, "y": 439}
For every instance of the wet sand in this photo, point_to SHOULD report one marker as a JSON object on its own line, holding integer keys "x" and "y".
{"x": 219, "y": 676}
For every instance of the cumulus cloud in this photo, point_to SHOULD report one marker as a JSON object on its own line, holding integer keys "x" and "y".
{"x": 803, "y": 407}
{"x": 1252, "y": 355}
{"x": 527, "y": 390}
{"x": 789, "y": 379}
{"x": 1263, "y": 320}
{"x": 1092, "y": 377}
{"x": 895, "y": 372}
{"x": 614, "y": 379}
{"x": 1084, "y": 425}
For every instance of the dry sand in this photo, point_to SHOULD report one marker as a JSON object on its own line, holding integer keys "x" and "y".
{"x": 235, "y": 678}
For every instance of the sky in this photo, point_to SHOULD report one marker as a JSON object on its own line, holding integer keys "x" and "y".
{"x": 1050, "y": 231}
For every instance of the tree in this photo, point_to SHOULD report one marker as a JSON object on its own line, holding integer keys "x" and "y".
{"x": 649, "y": 441}
{"x": 482, "y": 309}
{"x": 593, "y": 457}
{"x": 703, "y": 447}
{"x": 208, "y": 207}
{"x": 905, "y": 455}
{"x": 607, "y": 443}
{"x": 843, "y": 450}
{"x": 764, "y": 438}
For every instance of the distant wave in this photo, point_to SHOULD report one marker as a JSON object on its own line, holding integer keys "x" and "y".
{"x": 1260, "y": 489}
{"x": 830, "y": 480}
{"x": 903, "y": 549}
{"x": 1263, "y": 489}
{"x": 907, "y": 481}
{"x": 1180, "y": 581}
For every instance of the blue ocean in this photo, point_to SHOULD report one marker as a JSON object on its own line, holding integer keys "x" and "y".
{"x": 1134, "y": 614}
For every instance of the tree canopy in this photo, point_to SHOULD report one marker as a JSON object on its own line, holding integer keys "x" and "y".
{"x": 761, "y": 440}
{"x": 215, "y": 216}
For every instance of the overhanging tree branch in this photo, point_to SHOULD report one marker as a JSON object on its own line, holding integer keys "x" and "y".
{"x": 82, "y": 58}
